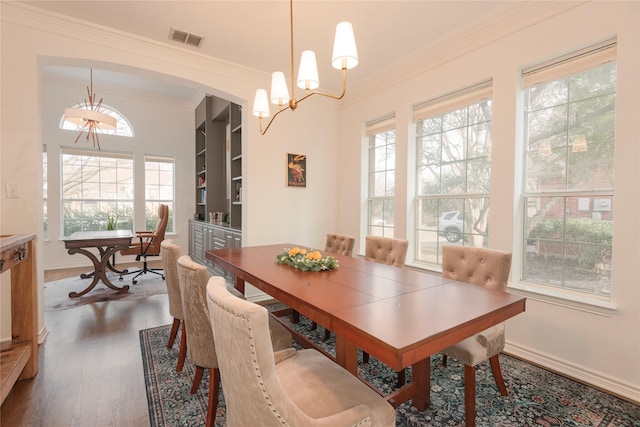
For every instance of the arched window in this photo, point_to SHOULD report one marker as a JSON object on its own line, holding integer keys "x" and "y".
{"x": 123, "y": 127}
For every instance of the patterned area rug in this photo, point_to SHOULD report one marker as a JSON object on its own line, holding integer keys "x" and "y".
{"x": 536, "y": 397}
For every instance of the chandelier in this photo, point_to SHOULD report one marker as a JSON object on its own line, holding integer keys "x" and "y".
{"x": 345, "y": 57}
{"x": 89, "y": 117}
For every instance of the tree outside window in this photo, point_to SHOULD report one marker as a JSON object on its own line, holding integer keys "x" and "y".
{"x": 97, "y": 191}
{"x": 568, "y": 194}
{"x": 453, "y": 175}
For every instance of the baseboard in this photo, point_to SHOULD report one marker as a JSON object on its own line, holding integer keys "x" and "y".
{"x": 591, "y": 378}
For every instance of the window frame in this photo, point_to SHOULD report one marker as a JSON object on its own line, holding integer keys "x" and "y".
{"x": 381, "y": 128}
{"x": 556, "y": 70}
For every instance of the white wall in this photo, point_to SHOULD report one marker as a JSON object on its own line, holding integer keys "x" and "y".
{"x": 161, "y": 128}
{"x": 272, "y": 212}
{"x": 596, "y": 344}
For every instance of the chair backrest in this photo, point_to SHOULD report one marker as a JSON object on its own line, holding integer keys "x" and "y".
{"x": 161, "y": 225}
{"x": 252, "y": 390}
{"x": 170, "y": 252}
{"x": 340, "y": 244}
{"x": 484, "y": 267}
{"x": 193, "y": 288}
{"x": 386, "y": 250}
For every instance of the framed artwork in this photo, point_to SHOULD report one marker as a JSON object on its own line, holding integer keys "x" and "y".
{"x": 296, "y": 170}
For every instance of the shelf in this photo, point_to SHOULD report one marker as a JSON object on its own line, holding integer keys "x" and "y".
{"x": 201, "y": 172}
{"x": 14, "y": 360}
{"x": 238, "y": 157}
{"x": 236, "y": 129}
{"x": 201, "y": 186}
{"x": 201, "y": 153}
{"x": 237, "y": 178}
{"x": 236, "y": 203}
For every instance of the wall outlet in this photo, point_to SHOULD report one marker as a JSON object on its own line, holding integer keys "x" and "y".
{"x": 12, "y": 191}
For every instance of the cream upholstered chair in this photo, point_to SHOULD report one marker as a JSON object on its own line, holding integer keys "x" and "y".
{"x": 201, "y": 348}
{"x": 296, "y": 388}
{"x": 490, "y": 269}
{"x": 340, "y": 244}
{"x": 170, "y": 252}
{"x": 386, "y": 250}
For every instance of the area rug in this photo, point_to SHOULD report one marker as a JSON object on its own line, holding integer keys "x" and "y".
{"x": 56, "y": 293}
{"x": 536, "y": 397}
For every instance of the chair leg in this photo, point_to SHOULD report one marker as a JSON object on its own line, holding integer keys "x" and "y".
{"x": 214, "y": 389}
{"x": 183, "y": 348}
{"x": 314, "y": 326}
{"x": 197, "y": 377}
{"x": 327, "y": 334}
{"x": 469, "y": 396}
{"x": 174, "y": 332}
{"x": 497, "y": 374}
{"x": 365, "y": 357}
{"x": 444, "y": 360}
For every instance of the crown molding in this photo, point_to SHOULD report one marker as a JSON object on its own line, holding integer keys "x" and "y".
{"x": 40, "y": 20}
{"x": 141, "y": 95}
{"x": 506, "y": 20}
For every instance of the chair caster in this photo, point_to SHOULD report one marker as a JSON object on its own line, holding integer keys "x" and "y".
{"x": 134, "y": 281}
{"x": 120, "y": 279}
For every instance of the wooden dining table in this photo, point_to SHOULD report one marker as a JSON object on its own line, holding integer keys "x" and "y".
{"x": 107, "y": 243}
{"x": 400, "y": 316}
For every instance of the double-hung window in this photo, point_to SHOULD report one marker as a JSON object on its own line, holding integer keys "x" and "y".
{"x": 382, "y": 164}
{"x": 453, "y": 170}
{"x": 97, "y": 190}
{"x": 568, "y": 203}
{"x": 158, "y": 189}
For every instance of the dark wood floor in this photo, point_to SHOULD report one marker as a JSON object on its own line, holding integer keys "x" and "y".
{"x": 90, "y": 367}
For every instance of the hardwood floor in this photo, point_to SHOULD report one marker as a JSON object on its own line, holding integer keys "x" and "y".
{"x": 90, "y": 370}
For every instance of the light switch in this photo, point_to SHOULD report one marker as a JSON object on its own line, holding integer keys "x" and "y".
{"x": 12, "y": 191}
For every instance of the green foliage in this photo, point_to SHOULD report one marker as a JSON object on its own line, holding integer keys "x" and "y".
{"x": 587, "y": 239}
{"x": 306, "y": 260}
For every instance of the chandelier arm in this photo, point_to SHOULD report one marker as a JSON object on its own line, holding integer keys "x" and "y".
{"x": 327, "y": 94}
{"x": 272, "y": 119}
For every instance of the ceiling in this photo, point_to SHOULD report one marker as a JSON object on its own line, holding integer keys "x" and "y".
{"x": 255, "y": 34}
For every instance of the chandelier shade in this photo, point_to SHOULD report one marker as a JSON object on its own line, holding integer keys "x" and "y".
{"x": 308, "y": 72}
{"x": 80, "y": 117}
{"x": 345, "y": 57}
{"x": 345, "y": 53}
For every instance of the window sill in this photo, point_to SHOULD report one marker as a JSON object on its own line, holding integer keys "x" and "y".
{"x": 564, "y": 298}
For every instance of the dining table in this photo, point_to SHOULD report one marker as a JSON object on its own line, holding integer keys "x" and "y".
{"x": 400, "y": 316}
{"x": 107, "y": 243}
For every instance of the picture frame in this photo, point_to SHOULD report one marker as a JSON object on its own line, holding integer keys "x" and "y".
{"x": 296, "y": 170}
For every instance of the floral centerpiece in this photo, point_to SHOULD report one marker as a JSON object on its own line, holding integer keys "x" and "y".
{"x": 306, "y": 260}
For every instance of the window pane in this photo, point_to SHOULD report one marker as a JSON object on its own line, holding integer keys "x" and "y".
{"x": 159, "y": 189}
{"x": 92, "y": 191}
{"x": 453, "y": 160}
{"x": 382, "y": 159}
{"x": 570, "y": 150}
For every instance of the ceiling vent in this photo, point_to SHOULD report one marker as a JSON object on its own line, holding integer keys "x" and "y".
{"x": 185, "y": 38}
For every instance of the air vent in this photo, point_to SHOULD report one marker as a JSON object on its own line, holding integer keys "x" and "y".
{"x": 185, "y": 38}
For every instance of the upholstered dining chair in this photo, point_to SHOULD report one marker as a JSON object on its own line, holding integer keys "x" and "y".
{"x": 386, "y": 250}
{"x": 340, "y": 244}
{"x": 201, "y": 348}
{"x": 147, "y": 243}
{"x": 490, "y": 269}
{"x": 289, "y": 387}
{"x": 170, "y": 252}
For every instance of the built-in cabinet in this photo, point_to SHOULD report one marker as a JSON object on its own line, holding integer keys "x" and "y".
{"x": 218, "y": 151}
{"x": 217, "y": 221}
{"x": 204, "y": 236}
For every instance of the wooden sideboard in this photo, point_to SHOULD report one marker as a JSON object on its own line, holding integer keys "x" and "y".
{"x": 19, "y": 358}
